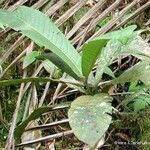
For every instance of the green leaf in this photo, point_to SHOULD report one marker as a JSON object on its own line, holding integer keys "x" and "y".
{"x": 110, "y": 52}
{"x": 91, "y": 80}
{"x": 42, "y": 31}
{"x": 123, "y": 35}
{"x": 59, "y": 63}
{"x": 140, "y": 71}
{"x": 141, "y": 102}
{"x": 35, "y": 115}
{"x": 137, "y": 102}
{"x": 91, "y": 51}
{"x": 89, "y": 118}
{"x": 138, "y": 48}
{"x": 48, "y": 66}
{"x": 109, "y": 72}
{"x": 92, "y": 48}
{"x": 134, "y": 87}
{"x": 30, "y": 58}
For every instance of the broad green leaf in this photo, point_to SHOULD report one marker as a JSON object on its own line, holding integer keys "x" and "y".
{"x": 59, "y": 63}
{"x": 140, "y": 71}
{"x": 42, "y": 31}
{"x": 92, "y": 48}
{"x": 136, "y": 46}
{"x": 91, "y": 51}
{"x": 35, "y": 115}
{"x": 30, "y": 58}
{"x": 89, "y": 118}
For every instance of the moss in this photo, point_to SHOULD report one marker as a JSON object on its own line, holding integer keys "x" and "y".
{"x": 137, "y": 127}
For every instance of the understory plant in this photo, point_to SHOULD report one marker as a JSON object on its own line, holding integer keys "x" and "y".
{"x": 90, "y": 115}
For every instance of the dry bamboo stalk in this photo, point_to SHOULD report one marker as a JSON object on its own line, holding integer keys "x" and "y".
{"x": 17, "y": 4}
{"x": 70, "y": 12}
{"x": 96, "y": 20}
{"x": 135, "y": 14}
{"x": 86, "y": 17}
{"x": 49, "y": 137}
{"x": 55, "y": 7}
{"x": 112, "y": 23}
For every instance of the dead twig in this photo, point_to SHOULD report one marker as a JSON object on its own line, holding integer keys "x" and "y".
{"x": 135, "y": 14}
{"x": 45, "y": 126}
{"x": 113, "y": 22}
{"x": 50, "y": 137}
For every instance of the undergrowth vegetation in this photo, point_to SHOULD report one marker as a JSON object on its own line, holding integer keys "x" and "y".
{"x": 103, "y": 97}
